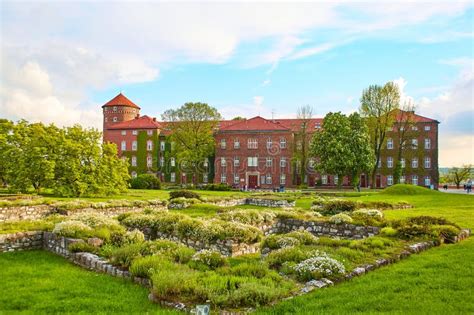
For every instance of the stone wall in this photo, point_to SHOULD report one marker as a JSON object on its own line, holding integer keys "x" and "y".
{"x": 272, "y": 203}
{"x": 38, "y": 212}
{"x": 21, "y": 241}
{"x": 320, "y": 228}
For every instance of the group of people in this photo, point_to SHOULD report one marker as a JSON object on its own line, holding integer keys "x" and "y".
{"x": 468, "y": 186}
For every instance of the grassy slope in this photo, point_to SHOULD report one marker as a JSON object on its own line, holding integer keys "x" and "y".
{"x": 41, "y": 282}
{"x": 440, "y": 280}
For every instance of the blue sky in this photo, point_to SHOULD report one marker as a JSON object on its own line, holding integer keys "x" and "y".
{"x": 61, "y": 62}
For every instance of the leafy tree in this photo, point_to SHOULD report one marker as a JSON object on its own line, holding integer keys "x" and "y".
{"x": 192, "y": 127}
{"x": 377, "y": 106}
{"x": 304, "y": 114}
{"x": 457, "y": 175}
{"x": 343, "y": 146}
{"x": 6, "y": 127}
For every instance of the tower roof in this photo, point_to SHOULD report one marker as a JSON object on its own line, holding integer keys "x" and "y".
{"x": 121, "y": 100}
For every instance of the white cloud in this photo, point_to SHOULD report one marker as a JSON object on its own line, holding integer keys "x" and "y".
{"x": 266, "y": 82}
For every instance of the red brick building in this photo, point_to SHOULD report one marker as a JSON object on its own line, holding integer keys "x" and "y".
{"x": 259, "y": 152}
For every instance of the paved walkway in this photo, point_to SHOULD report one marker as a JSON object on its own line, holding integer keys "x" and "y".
{"x": 456, "y": 191}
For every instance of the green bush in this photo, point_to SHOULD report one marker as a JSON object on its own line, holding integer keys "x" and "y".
{"x": 425, "y": 227}
{"x": 404, "y": 189}
{"x": 276, "y": 241}
{"x": 78, "y": 247}
{"x": 184, "y": 194}
{"x": 217, "y": 187}
{"x": 336, "y": 206}
{"x": 388, "y": 231}
{"x": 340, "y": 218}
{"x": 145, "y": 181}
{"x": 447, "y": 233}
{"x": 248, "y": 216}
{"x": 288, "y": 254}
{"x": 207, "y": 258}
{"x": 72, "y": 228}
{"x": 145, "y": 266}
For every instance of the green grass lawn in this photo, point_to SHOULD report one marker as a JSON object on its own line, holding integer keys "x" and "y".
{"x": 440, "y": 280}
{"x": 39, "y": 282}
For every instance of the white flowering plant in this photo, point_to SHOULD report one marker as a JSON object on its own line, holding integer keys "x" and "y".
{"x": 373, "y": 213}
{"x": 72, "y": 228}
{"x": 340, "y": 218}
{"x": 209, "y": 258}
{"x": 318, "y": 266}
{"x": 287, "y": 241}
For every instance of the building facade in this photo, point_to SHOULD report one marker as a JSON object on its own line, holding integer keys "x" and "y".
{"x": 264, "y": 153}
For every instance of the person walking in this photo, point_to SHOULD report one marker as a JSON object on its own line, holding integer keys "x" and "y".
{"x": 469, "y": 185}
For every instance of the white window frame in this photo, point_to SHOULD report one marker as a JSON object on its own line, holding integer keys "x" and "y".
{"x": 205, "y": 178}
{"x": 134, "y": 161}
{"x": 268, "y": 179}
{"x": 149, "y": 145}
{"x": 324, "y": 179}
{"x": 414, "y": 179}
{"x": 172, "y": 177}
{"x": 252, "y": 143}
{"x": 149, "y": 161}
{"x": 223, "y": 144}
{"x": 268, "y": 162}
{"x": 269, "y": 143}
{"x": 427, "y": 143}
{"x": 336, "y": 179}
{"x": 114, "y": 119}
{"x": 390, "y": 162}
{"x": 282, "y": 179}
{"x": 390, "y": 144}
{"x": 124, "y": 132}
{"x": 282, "y": 162}
{"x": 403, "y": 162}
{"x": 134, "y": 132}
{"x": 223, "y": 178}
{"x": 236, "y": 161}
{"x": 402, "y": 179}
{"x": 236, "y": 144}
{"x": 172, "y": 162}
{"x": 414, "y": 143}
{"x": 389, "y": 180}
{"x": 162, "y": 161}
{"x": 223, "y": 162}
{"x": 114, "y": 108}
{"x": 134, "y": 145}
{"x": 414, "y": 163}
{"x": 282, "y": 143}
{"x": 414, "y": 128}
{"x": 206, "y": 162}
{"x": 252, "y": 161}
{"x": 236, "y": 179}
{"x": 427, "y": 128}
{"x": 427, "y": 162}
{"x": 123, "y": 145}
{"x": 427, "y": 181}
{"x": 162, "y": 146}
{"x": 134, "y": 174}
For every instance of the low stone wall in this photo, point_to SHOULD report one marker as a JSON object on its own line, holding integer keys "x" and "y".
{"x": 225, "y": 247}
{"x": 269, "y": 203}
{"x": 41, "y": 211}
{"x": 317, "y": 228}
{"x": 21, "y": 241}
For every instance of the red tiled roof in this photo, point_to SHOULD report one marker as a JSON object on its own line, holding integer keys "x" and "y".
{"x": 295, "y": 124}
{"x": 401, "y": 115}
{"x": 143, "y": 122}
{"x": 255, "y": 123}
{"x": 121, "y": 100}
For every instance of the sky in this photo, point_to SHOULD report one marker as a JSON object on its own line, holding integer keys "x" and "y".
{"x": 61, "y": 61}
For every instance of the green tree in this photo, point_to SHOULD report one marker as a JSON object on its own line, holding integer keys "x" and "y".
{"x": 377, "y": 106}
{"x": 457, "y": 175}
{"x": 332, "y": 146}
{"x": 192, "y": 129}
{"x": 6, "y": 128}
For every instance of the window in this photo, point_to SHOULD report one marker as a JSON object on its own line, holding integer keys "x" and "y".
{"x": 123, "y": 146}
{"x": 124, "y": 132}
{"x": 172, "y": 162}
{"x": 205, "y": 178}
{"x": 389, "y": 180}
{"x": 115, "y": 108}
{"x": 414, "y": 163}
{"x": 252, "y": 161}
{"x": 427, "y": 143}
{"x": 283, "y": 162}
{"x": 222, "y": 161}
{"x": 414, "y": 143}
{"x": 149, "y": 132}
{"x": 236, "y": 144}
{"x": 149, "y": 161}
{"x": 269, "y": 162}
{"x": 252, "y": 143}
{"x": 402, "y": 162}
{"x": 236, "y": 179}
{"x": 414, "y": 179}
{"x": 427, "y": 181}
{"x": 414, "y": 128}
{"x": 162, "y": 161}
{"x": 172, "y": 177}
{"x": 206, "y": 162}
{"x": 390, "y": 144}
{"x": 149, "y": 145}
{"x": 114, "y": 119}
{"x": 236, "y": 161}
{"x": 282, "y": 143}
{"x": 402, "y": 179}
{"x": 134, "y": 161}
{"x": 134, "y": 132}
{"x": 268, "y": 179}
{"x": 390, "y": 162}
{"x": 336, "y": 179}
{"x": 282, "y": 179}
{"x": 427, "y": 128}
{"x": 134, "y": 174}
{"x": 223, "y": 179}
{"x": 134, "y": 145}
{"x": 324, "y": 179}
{"x": 269, "y": 143}
{"x": 223, "y": 144}
{"x": 427, "y": 162}
{"x": 317, "y": 125}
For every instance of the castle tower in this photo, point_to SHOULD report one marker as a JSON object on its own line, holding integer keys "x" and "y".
{"x": 119, "y": 109}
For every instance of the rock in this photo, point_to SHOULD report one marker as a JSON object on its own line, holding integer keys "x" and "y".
{"x": 95, "y": 241}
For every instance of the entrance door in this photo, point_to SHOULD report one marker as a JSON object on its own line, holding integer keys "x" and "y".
{"x": 378, "y": 181}
{"x": 253, "y": 181}
{"x": 363, "y": 182}
{"x": 311, "y": 181}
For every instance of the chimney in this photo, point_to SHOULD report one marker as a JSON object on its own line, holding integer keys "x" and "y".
{"x": 154, "y": 118}
{"x": 138, "y": 116}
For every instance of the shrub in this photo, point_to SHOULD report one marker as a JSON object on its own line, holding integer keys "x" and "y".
{"x": 133, "y": 237}
{"x": 276, "y": 241}
{"x": 217, "y": 187}
{"x": 248, "y": 216}
{"x": 388, "y": 231}
{"x": 145, "y": 181}
{"x": 78, "y": 247}
{"x": 428, "y": 220}
{"x": 404, "y": 189}
{"x": 253, "y": 294}
{"x": 95, "y": 220}
{"x": 289, "y": 254}
{"x": 424, "y": 227}
{"x": 184, "y": 194}
{"x": 318, "y": 266}
{"x": 145, "y": 266}
{"x": 72, "y": 228}
{"x": 251, "y": 269}
{"x": 340, "y": 218}
{"x": 447, "y": 233}
{"x": 173, "y": 280}
{"x": 368, "y": 216}
{"x": 336, "y": 206}
{"x": 209, "y": 258}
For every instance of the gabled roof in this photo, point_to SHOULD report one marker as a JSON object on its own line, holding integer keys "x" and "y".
{"x": 121, "y": 100}
{"x": 143, "y": 122}
{"x": 296, "y": 124}
{"x": 401, "y": 115}
{"x": 254, "y": 124}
